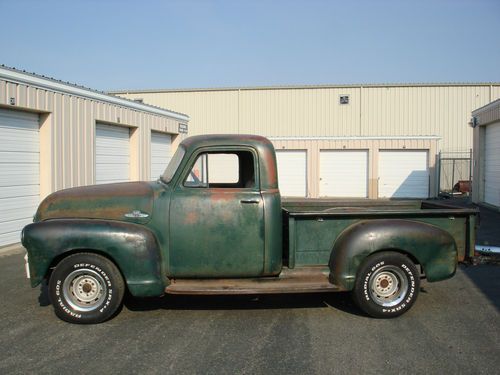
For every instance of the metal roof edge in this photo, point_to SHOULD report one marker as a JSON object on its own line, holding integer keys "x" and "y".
{"x": 299, "y": 87}
{"x": 326, "y": 138}
{"x": 486, "y": 107}
{"x": 32, "y": 79}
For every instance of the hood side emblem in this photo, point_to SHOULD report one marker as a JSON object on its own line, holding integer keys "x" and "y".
{"x": 136, "y": 214}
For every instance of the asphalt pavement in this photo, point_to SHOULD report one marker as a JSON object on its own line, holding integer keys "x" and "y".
{"x": 454, "y": 327}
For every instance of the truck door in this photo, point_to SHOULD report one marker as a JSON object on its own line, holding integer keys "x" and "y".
{"x": 217, "y": 217}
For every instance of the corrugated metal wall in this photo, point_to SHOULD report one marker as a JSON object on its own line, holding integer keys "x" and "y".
{"x": 412, "y": 110}
{"x": 67, "y": 133}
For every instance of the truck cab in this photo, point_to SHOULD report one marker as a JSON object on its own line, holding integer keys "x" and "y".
{"x": 225, "y": 215}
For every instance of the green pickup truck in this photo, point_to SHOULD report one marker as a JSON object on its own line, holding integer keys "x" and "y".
{"x": 215, "y": 223}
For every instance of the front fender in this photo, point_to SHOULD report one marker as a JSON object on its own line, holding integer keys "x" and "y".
{"x": 132, "y": 247}
{"x": 434, "y": 248}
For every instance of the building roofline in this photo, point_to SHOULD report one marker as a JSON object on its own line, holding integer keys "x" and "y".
{"x": 32, "y": 79}
{"x": 299, "y": 87}
{"x": 486, "y": 107}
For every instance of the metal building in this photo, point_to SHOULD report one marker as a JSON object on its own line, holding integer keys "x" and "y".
{"x": 486, "y": 124}
{"x": 342, "y": 141}
{"x": 55, "y": 135}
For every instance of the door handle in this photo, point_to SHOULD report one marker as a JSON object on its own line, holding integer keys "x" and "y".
{"x": 257, "y": 201}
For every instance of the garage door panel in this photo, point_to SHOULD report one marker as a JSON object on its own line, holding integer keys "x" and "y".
{"x": 492, "y": 165}
{"x": 161, "y": 153}
{"x": 343, "y": 173}
{"x": 113, "y": 132}
{"x": 19, "y": 157}
{"x": 108, "y": 149}
{"x": 403, "y": 174}
{"x": 10, "y": 237}
{"x": 14, "y": 225}
{"x": 223, "y": 168}
{"x": 19, "y": 121}
{"x": 112, "y": 157}
{"x": 20, "y": 141}
{"x": 114, "y": 173}
{"x": 18, "y": 191}
{"x": 18, "y": 203}
{"x": 19, "y": 172}
{"x": 292, "y": 172}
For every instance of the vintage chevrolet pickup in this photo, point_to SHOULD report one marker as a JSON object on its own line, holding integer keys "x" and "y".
{"x": 199, "y": 231}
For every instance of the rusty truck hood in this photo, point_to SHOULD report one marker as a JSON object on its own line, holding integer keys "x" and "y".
{"x": 129, "y": 201}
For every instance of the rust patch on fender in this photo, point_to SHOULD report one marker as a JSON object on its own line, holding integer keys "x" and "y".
{"x": 191, "y": 218}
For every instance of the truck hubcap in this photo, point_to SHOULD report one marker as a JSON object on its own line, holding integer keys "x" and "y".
{"x": 84, "y": 289}
{"x": 388, "y": 286}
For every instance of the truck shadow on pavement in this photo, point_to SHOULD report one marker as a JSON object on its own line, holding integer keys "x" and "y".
{"x": 339, "y": 301}
{"x": 486, "y": 278}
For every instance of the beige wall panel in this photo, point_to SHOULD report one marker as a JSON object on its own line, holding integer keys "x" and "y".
{"x": 207, "y": 109}
{"x": 423, "y": 110}
{"x": 412, "y": 110}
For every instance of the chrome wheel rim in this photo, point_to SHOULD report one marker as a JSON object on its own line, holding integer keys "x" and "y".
{"x": 388, "y": 286}
{"x": 84, "y": 289}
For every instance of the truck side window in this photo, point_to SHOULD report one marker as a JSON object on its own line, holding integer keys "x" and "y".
{"x": 222, "y": 170}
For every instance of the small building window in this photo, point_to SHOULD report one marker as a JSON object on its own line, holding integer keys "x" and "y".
{"x": 344, "y": 99}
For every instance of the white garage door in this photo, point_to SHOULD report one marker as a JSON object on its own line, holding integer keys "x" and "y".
{"x": 161, "y": 153}
{"x": 19, "y": 173}
{"x": 292, "y": 173}
{"x": 403, "y": 174}
{"x": 343, "y": 173}
{"x": 492, "y": 165}
{"x": 112, "y": 154}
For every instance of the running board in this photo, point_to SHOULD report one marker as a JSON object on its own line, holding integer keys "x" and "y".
{"x": 301, "y": 280}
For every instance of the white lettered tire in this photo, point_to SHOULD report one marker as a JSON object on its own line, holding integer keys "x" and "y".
{"x": 86, "y": 288}
{"x": 387, "y": 285}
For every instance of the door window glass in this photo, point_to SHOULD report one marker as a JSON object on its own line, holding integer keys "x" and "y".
{"x": 222, "y": 170}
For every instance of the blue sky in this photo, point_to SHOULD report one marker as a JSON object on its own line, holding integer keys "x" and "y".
{"x": 176, "y": 44}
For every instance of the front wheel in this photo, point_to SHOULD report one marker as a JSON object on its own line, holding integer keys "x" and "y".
{"x": 86, "y": 288}
{"x": 387, "y": 285}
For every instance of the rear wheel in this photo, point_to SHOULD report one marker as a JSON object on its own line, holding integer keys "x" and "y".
{"x": 86, "y": 288}
{"x": 387, "y": 285}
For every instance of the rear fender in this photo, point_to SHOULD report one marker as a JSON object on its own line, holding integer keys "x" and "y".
{"x": 433, "y": 248}
{"x": 132, "y": 247}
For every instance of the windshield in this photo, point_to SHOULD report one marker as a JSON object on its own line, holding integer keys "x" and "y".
{"x": 173, "y": 165}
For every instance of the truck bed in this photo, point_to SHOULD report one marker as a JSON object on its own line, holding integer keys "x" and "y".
{"x": 313, "y": 206}
{"x": 311, "y": 226}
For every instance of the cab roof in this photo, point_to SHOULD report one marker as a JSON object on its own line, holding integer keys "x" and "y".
{"x": 262, "y": 145}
